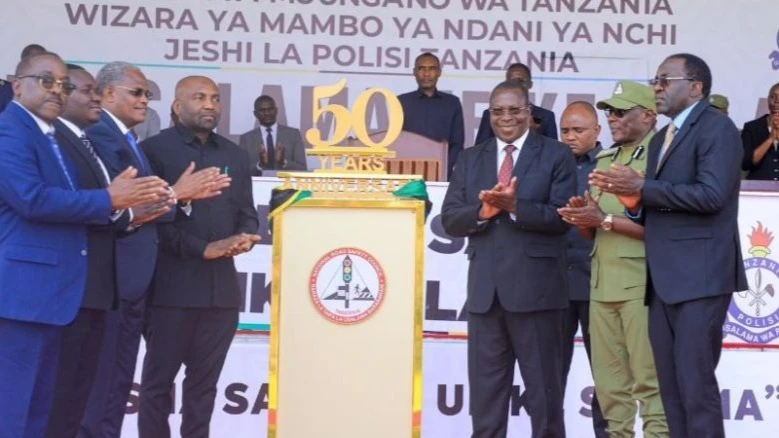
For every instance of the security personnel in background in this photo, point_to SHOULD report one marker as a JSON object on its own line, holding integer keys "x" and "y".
{"x": 6, "y": 94}
{"x": 622, "y": 361}
{"x": 720, "y": 102}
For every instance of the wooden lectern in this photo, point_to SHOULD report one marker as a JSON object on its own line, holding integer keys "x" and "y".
{"x": 417, "y": 155}
{"x": 347, "y": 310}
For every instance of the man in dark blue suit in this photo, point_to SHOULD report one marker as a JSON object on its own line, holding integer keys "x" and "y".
{"x": 43, "y": 241}
{"x": 547, "y": 125}
{"x": 81, "y": 340}
{"x": 125, "y": 98}
{"x": 517, "y": 291}
{"x": 688, "y": 204}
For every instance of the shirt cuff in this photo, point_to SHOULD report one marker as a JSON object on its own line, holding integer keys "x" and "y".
{"x": 186, "y": 209}
{"x": 513, "y": 217}
{"x": 130, "y": 228}
{"x": 635, "y": 217}
{"x": 115, "y": 215}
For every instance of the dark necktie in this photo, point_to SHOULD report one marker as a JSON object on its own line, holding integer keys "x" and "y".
{"x": 56, "y": 148}
{"x": 88, "y": 145}
{"x": 507, "y": 167}
{"x": 131, "y": 139}
{"x": 270, "y": 149}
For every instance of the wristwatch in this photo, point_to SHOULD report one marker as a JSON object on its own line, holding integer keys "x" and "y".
{"x": 608, "y": 223}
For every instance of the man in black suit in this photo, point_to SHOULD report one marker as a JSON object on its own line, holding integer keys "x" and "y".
{"x": 81, "y": 339}
{"x": 517, "y": 292}
{"x": 124, "y": 98}
{"x": 688, "y": 204}
{"x": 194, "y": 309}
{"x": 760, "y": 138}
{"x": 544, "y": 119}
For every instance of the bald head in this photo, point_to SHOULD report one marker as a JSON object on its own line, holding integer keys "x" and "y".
{"x": 197, "y": 105}
{"x": 188, "y": 83}
{"x": 579, "y": 127}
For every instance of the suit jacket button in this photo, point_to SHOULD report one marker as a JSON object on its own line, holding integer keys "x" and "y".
{"x": 83, "y": 252}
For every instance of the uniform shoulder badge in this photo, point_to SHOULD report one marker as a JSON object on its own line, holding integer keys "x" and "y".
{"x": 606, "y": 153}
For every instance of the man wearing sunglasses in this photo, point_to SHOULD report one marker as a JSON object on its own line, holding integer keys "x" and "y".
{"x": 517, "y": 292}
{"x": 688, "y": 204}
{"x": 44, "y": 213}
{"x": 76, "y": 372}
{"x": 125, "y": 97}
{"x": 622, "y": 363}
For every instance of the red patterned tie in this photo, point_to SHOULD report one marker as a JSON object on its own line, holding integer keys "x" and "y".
{"x": 504, "y": 174}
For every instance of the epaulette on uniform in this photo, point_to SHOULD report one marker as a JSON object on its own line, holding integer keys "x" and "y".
{"x": 606, "y": 153}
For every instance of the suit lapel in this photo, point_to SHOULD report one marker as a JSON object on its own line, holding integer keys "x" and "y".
{"x": 125, "y": 148}
{"x": 74, "y": 144}
{"x": 682, "y": 132}
{"x": 487, "y": 172}
{"x": 42, "y": 140}
{"x": 527, "y": 155}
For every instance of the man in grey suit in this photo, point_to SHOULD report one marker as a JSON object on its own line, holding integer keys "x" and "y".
{"x": 272, "y": 146}
{"x": 517, "y": 292}
{"x": 688, "y": 204}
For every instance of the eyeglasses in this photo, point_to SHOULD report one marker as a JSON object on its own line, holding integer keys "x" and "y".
{"x": 617, "y": 112}
{"x": 48, "y": 83}
{"x": 514, "y": 110}
{"x": 136, "y": 92}
{"x": 665, "y": 80}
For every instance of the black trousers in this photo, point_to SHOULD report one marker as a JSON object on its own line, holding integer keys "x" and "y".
{"x": 578, "y": 313}
{"x": 496, "y": 341}
{"x": 78, "y": 359}
{"x": 197, "y": 338}
{"x": 686, "y": 342}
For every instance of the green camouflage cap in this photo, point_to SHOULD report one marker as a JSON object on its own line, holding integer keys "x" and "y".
{"x": 719, "y": 101}
{"x": 629, "y": 94}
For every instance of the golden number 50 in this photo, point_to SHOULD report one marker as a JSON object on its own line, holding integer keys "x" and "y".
{"x": 345, "y": 120}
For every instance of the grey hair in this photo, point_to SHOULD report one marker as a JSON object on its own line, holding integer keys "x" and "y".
{"x": 112, "y": 73}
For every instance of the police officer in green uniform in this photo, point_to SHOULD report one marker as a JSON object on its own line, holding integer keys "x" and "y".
{"x": 622, "y": 362}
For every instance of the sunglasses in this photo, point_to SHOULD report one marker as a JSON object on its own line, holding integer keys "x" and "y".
{"x": 666, "y": 80}
{"x": 136, "y": 92}
{"x": 514, "y": 110}
{"x": 48, "y": 83}
{"x": 618, "y": 113}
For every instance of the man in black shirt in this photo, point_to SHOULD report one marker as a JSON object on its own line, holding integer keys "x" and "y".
{"x": 432, "y": 113}
{"x": 195, "y": 292}
{"x": 579, "y": 129}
